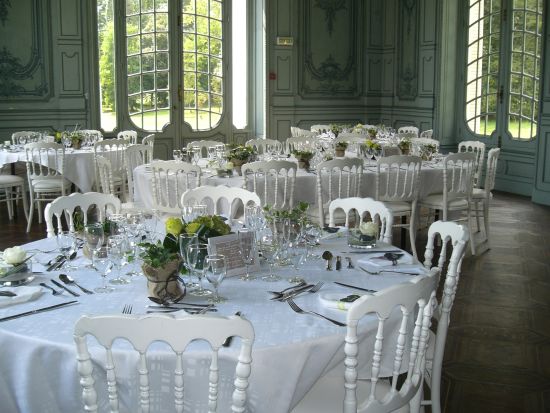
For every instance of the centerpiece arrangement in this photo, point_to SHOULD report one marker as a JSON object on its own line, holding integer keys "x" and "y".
{"x": 365, "y": 236}
{"x": 303, "y": 158}
{"x": 372, "y": 148}
{"x": 340, "y": 148}
{"x": 372, "y": 132}
{"x": 14, "y": 261}
{"x": 404, "y": 146}
{"x": 238, "y": 155}
{"x": 427, "y": 151}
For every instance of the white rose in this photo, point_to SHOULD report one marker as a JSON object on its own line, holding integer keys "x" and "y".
{"x": 15, "y": 255}
{"x": 369, "y": 228}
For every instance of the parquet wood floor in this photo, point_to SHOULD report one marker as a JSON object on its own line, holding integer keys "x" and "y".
{"x": 497, "y": 357}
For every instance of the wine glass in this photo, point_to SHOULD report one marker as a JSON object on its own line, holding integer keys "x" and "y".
{"x": 270, "y": 249}
{"x": 196, "y": 254}
{"x": 216, "y": 269}
{"x": 116, "y": 250}
{"x": 313, "y": 236}
{"x": 185, "y": 240}
{"x": 200, "y": 210}
{"x": 102, "y": 265}
{"x": 66, "y": 241}
{"x": 94, "y": 236}
{"x": 297, "y": 255}
{"x": 197, "y": 154}
{"x": 176, "y": 154}
{"x": 134, "y": 227}
{"x": 247, "y": 244}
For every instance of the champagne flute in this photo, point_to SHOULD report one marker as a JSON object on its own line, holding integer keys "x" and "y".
{"x": 94, "y": 236}
{"x": 185, "y": 240}
{"x": 102, "y": 265}
{"x": 196, "y": 254}
{"x": 216, "y": 269}
{"x": 247, "y": 249}
{"x": 269, "y": 251}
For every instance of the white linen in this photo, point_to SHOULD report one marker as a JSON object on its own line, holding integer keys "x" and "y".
{"x": 24, "y": 294}
{"x": 333, "y": 300}
{"x": 291, "y": 351}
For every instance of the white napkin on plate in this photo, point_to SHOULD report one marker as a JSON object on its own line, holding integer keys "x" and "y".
{"x": 377, "y": 262}
{"x": 332, "y": 300}
{"x": 24, "y": 294}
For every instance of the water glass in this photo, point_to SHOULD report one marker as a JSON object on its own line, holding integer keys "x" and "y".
{"x": 196, "y": 254}
{"x": 94, "y": 237}
{"x": 200, "y": 210}
{"x": 185, "y": 241}
{"x": 270, "y": 249}
{"x": 66, "y": 241}
{"x": 216, "y": 269}
{"x": 247, "y": 244}
{"x": 176, "y": 154}
{"x": 297, "y": 254}
{"x": 102, "y": 265}
{"x": 116, "y": 251}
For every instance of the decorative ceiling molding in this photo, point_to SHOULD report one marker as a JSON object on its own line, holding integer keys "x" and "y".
{"x": 330, "y": 7}
{"x": 4, "y": 4}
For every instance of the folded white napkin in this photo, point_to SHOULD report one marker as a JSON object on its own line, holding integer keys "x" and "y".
{"x": 24, "y": 294}
{"x": 332, "y": 300}
{"x": 377, "y": 262}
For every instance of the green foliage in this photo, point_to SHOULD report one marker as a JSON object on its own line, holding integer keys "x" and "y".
{"x": 341, "y": 145}
{"x": 303, "y": 155}
{"x": 297, "y": 214}
{"x": 404, "y": 144}
{"x": 78, "y": 220}
{"x": 157, "y": 255}
{"x": 240, "y": 152}
{"x": 375, "y": 146}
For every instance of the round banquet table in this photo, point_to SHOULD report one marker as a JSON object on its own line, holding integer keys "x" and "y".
{"x": 431, "y": 181}
{"x": 79, "y": 165}
{"x": 290, "y": 353}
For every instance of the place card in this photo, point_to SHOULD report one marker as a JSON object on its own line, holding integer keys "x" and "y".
{"x": 230, "y": 246}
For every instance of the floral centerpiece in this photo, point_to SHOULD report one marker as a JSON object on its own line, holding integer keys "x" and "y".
{"x": 365, "y": 236}
{"x": 427, "y": 151}
{"x": 372, "y": 132}
{"x": 404, "y": 146}
{"x": 358, "y": 128}
{"x": 340, "y": 148}
{"x": 76, "y": 139}
{"x": 297, "y": 216}
{"x": 238, "y": 155}
{"x": 303, "y": 158}
{"x": 13, "y": 260}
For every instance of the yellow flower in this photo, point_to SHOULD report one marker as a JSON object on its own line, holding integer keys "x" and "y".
{"x": 174, "y": 226}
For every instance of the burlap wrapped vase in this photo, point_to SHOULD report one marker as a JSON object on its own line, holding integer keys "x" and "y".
{"x": 163, "y": 283}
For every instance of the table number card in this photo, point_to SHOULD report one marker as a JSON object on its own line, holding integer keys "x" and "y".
{"x": 229, "y": 246}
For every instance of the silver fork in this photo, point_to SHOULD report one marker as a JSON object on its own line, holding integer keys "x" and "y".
{"x": 127, "y": 309}
{"x": 292, "y": 294}
{"x": 297, "y": 309}
{"x": 390, "y": 271}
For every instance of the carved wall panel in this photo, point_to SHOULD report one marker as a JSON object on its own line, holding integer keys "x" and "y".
{"x": 329, "y": 52}
{"x": 407, "y": 81}
{"x": 23, "y": 60}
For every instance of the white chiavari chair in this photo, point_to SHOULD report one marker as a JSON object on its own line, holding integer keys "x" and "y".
{"x": 221, "y": 199}
{"x": 134, "y": 156}
{"x": 12, "y": 189}
{"x": 478, "y": 148}
{"x": 113, "y": 150}
{"x": 273, "y": 181}
{"x": 204, "y": 146}
{"x": 130, "y": 136}
{"x": 408, "y": 131}
{"x": 260, "y": 145}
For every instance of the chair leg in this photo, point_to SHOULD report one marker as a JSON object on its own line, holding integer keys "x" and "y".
{"x": 412, "y": 231}
{"x": 476, "y": 211}
{"x": 486, "y": 219}
{"x": 25, "y": 203}
{"x": 39, "y": 211}
{"x": 471, "y": 229}
{"x": 31, "y": 210}
{"x": 9, "y": 202}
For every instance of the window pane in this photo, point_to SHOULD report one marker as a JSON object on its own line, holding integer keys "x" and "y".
{"x": 239, "y": 65}
{"x": 148, "y": 70}
{"x": 203, "y": 53}
{"x": 106, "y": 46}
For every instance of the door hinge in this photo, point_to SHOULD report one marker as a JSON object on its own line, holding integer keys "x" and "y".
{"x": 501, "y": 94}
{"x": 179, "y": 93}
{"x": 499, "y": 142}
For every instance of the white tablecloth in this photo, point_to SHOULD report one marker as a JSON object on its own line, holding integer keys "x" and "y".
{"x": 79, "y": 165}
{"x": 431, "y": 181}
{"x": 291, "y": 351}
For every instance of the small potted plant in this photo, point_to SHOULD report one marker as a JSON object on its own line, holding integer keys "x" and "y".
{"x": 427, "y": 151}
{"x": 372, "y": 132}
{"x": 340, "y": 148}
{"x": 405, "y": 146}
{"x": 76, "y": 140}
{"x": 303, "y": 158}
{"x": 239, "y": 155}
{"x": 373, "y": 148}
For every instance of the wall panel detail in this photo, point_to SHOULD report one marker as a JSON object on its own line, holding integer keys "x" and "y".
{"x": 70, "y": 73}
{"x": 407, "y": 88}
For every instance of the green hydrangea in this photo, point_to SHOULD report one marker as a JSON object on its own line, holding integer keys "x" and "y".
{"x": 174, "y": 226}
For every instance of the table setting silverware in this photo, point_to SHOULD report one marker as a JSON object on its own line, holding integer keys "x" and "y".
{"x": 176, "y": 302}
{"x": 38, "y": 310}
{"x": 69, "y": 280}
{"x": 309, "y": 288}
{"x": 350, "y": 263}
{"x": 7, "y": 294}
{"x": 355, "y": 287}
{"x": 292, "y": 287}
{"x": 58, "y": 284}
{"x": 298, "y": 310}
{"x": 176, "y": 308}
{"x": 389, "y": 271}
{"x": 362, "y": 251}
{"x": 54, "y": 291}
{"x": 127, "y": 309}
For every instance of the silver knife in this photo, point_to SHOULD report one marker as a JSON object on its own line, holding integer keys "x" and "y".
{"x": 55, "y": 264}
{"x": 369, "y": 252}
{"x": 293, "y": 293}
{"x": 353, "y": 286}
{"x": 65, "y": 288}
{"x": 39, "y": 310}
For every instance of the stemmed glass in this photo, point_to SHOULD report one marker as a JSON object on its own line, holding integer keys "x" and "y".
{"x": 200, "y": 210}
{"x": 176, "y": 154}
{"x": 133, "y": 227}
{"x": 102, "y": 265}
{"x": 215, "y": 273}
{"x": 269, "y": 249}
{"x": 298, "y": 253}
{"x": 313, "y": 235}
{"x": 248, "y": 251}
{"x": 94, "y": 236}
{"x": 186, "y": 240}
{"x": 116, "y": 249}
{"x": 196, "y": 254}
{"x": 197, "y": 154}
{"x": 66, "y": 241}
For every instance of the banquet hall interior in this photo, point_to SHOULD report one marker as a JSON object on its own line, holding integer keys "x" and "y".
{"x": 231, "y": 71}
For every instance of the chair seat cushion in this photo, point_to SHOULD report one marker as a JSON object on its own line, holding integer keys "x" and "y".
{"x": 327, "y": 395}
{"x": 478, "y": 193}
{"x": 435, "y": 201}
{"x": 398, "y": 207}
{"x": 54, "y": 184}
{"x": 6, "y": 180}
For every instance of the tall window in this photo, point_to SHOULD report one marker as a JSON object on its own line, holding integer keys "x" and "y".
{"x": 170, "y": 63}
{"x": 504, "y": 66}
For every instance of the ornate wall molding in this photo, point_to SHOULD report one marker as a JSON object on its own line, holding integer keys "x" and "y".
{"x": 407, "y": 82}
{"x": 28, "y": 79}
{"x": 329, "y": 63}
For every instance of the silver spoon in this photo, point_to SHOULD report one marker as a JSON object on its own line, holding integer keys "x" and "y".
{"x": 69, "y": 280}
